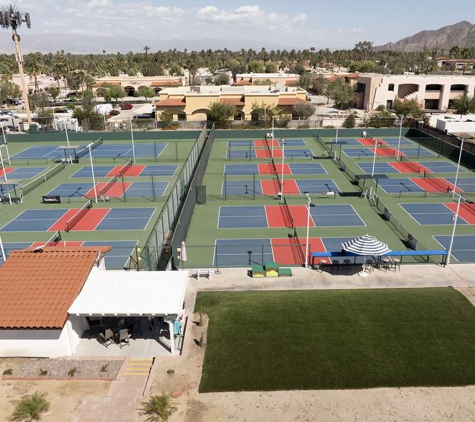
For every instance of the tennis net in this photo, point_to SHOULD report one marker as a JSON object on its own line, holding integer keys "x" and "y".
{"x": 85, "y": 150}
{"x": 107, "y": 186}
{"x": 440, "y": 184}
{"x": 78, "y": 216}
{"x": 125, "y": 167}
{"x": 289, "y": 221}
{"x": 32, "y": 184}
{"x": 414, "y": 166}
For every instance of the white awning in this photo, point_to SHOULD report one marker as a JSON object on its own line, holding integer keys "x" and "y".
{"x": 131, "y": 293}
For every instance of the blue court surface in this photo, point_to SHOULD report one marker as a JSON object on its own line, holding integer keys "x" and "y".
{"x": 408, "y": 152}
{"x": 130, "y": 189}
{"x": 149, "y": 170}
{"x": 24, "y": 173}
{"x": 467, "y": 184}
{"x": 436, "y": 214}
{"x": 110, "y": 219}
{"x": 390, "y": 142}
{"x": 102, "y": 151}
{"x": 399, "y": 186}
{"x": 116, "y": 258}
{"x": 463, "y": 247}
{"x": 294, "y": 168}
{"x": 238, "y": 252}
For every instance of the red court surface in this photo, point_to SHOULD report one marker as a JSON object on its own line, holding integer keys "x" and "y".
{"x": 386, "y": 152}
{"x": 264, "y": 143}
{"x": 7, "y": 170}
{"x": 269, "y": 169}
{"x": 466, "y": 211}
{"x": 272, "y": 187}
{"x": 370, "y": 142}
{"x": 89, "y": 222}
{"x": 132, "y": 171}
{"x": 265, "y": 153}
{"x": 435, "y": 184}
{"x": 411, "y": 167}
{"x": 116, "y": 190}
{"x": 288, "y": 251}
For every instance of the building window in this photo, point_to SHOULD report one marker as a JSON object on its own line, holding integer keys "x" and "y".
{"x": 391, "y": 87}
{"x": 389, "y": 104}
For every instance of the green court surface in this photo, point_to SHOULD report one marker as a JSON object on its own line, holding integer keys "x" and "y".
{"x": 172, "y": 155}
{"x": 337, "y": 339}
{"x": 252, "y": 185}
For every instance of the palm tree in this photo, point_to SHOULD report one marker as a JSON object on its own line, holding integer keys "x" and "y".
{"x": 158, "y": 408}
{"x": 30, "y": 408}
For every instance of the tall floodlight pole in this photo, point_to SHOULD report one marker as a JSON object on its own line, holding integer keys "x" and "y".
{"x": 10, "y": 17}
{"x": 458, "y": 166}
{"x": 456, "y": 216}
{"x": 132, "y": 137}
{"x": 309, "y": 203}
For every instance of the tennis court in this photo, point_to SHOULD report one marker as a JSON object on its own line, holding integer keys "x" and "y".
{"x": 438, "y": 214}
{"x": 116, "y": 258}
{"x": 463, "y": 247}
{"x": 102, "y": 151}
{"x": 282, "y": 216}
{"x": 285, "y": 251}
{"x": 266, "y": 169}
{"x": 387, "y": 152}
{"x": 131, "y": 171}
{"x": 243, "y": 154}
{"x": 92, "y": 219}
{"x": 272, "y": 187}
{"x": 239, "y": 143}
{"x": 22, "y": 173}
{"x": 114, "y": 190}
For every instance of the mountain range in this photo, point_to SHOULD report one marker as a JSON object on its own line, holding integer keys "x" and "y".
{"x": 443, "y": 39}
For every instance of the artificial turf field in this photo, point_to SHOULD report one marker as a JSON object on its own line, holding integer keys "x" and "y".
{"x": 337, "y": 339}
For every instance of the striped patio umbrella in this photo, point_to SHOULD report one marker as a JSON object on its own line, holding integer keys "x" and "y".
{"x": 367, "y": 246}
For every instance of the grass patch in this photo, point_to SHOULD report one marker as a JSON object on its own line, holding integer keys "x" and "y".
{"x": 337, "y": 339}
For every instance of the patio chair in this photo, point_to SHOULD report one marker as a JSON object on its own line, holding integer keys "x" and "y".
{"x": 106, "y": 338}
{"x": 123, "y": 336}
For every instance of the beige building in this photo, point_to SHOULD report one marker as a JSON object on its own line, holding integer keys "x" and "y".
{"x": 433, "y": 92}
{"x": 193, "y": 103}
{"x": 131, "y": 84}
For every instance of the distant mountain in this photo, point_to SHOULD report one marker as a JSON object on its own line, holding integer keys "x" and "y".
{"x": 82, "y": 44}
{"x": 461, "y": 34}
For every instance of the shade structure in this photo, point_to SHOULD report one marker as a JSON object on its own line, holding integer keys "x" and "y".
{"x": 366, "y": 245}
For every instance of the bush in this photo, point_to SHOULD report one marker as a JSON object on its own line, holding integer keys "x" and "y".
{"x": 114, "y": 113}
{"x": 31, "y": 407}
{"x": 126, "y": 106}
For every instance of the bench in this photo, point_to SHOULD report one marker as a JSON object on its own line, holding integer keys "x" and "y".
{"x": 285, "y": 272}
{"x": 203, "y": 273}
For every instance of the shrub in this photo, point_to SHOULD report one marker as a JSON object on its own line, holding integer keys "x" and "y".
{"x": 31, "y": 407}
{"x": 114, "y": 113}
{"x": 126, "y": 106}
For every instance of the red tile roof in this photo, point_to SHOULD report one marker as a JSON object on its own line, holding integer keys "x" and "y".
{"x": 233, "y": 101}
{"x": 37, "y": 288}
{"x": 289, "y": 101}
{"x": 171, "y": 102}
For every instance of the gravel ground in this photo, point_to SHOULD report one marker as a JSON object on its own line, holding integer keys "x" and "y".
{"x": 59, "y": 368}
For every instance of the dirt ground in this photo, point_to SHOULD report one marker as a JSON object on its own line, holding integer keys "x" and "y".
{"x": 385, "y": 404}
{"x": 64, "y": 396}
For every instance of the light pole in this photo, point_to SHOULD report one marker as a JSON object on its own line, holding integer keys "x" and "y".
{"x": 10, "y": 17}
{"x": 309, "y": 203}
{"x": 456, "y": 215}
{"x": 458, "y": 167}
{"x": 399, "y": 141}
{"x": 92, "y": 171}
{"x": 282, "y": 169}
{"x": 132, "y": 137}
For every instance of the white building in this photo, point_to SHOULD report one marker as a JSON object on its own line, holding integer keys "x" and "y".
{"x": 434, "y": 92}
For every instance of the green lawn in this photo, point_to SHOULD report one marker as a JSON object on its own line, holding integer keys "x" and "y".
{"x": 337, "y": 339}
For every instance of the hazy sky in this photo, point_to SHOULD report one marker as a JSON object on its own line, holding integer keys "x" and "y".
{"x": 304, "y": 23}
